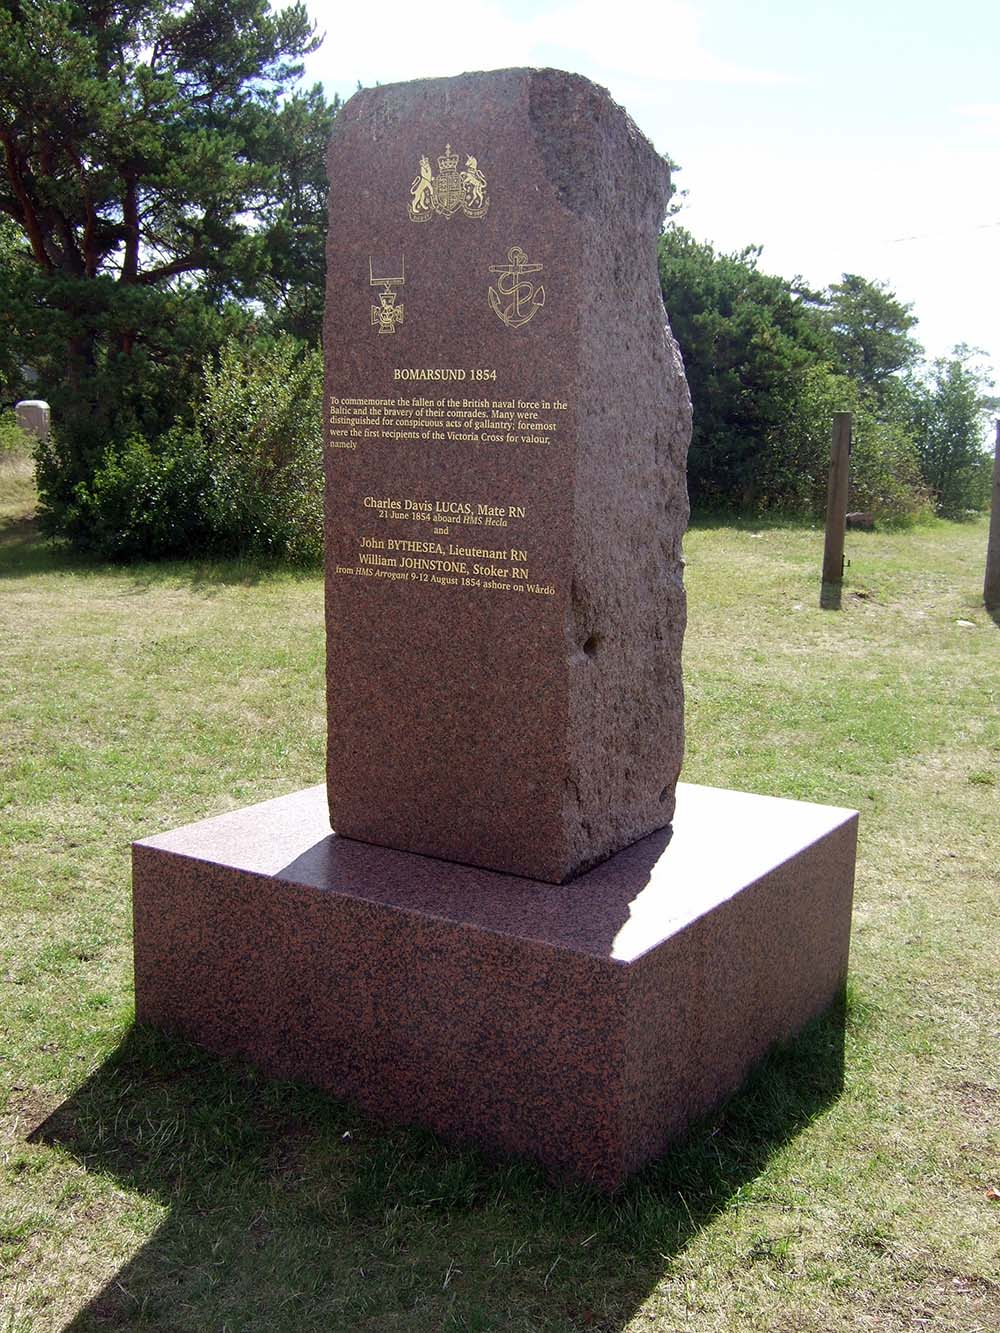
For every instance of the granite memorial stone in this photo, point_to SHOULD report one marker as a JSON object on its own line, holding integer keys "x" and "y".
{"x": 508, "y": 423}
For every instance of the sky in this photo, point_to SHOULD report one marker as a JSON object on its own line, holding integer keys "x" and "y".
{"x": 861, "y": 137}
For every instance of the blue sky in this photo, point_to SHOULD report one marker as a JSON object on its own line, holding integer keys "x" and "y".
{"x": 861, "y": 137}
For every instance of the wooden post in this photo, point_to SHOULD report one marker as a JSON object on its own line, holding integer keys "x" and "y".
{"x": 836, "y": 512}
{"x": 991, "y": 584}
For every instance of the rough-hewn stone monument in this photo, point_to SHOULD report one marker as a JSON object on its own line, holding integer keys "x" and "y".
{"x": 508, "y": 424}
{"x": 507, "y": 420}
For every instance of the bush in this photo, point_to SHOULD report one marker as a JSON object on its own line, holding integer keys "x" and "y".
{"x": 884, "y": 471}
{"x": 748, "y": 340}
{"x": 759, "y": 356}
{"x": 145, "y": 499}
{"x": 13, "y": 441}
{"x": 245, "y": 477}
{"x": 949, "y": 419}
{"x": 261, "y": 419}
{"x": 103, "y": 395}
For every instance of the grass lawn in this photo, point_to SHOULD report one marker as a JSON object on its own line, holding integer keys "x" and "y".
{"x": 146, "y": 1186}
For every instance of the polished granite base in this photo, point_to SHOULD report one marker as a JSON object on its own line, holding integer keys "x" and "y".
{"x": 584, "y": 1025}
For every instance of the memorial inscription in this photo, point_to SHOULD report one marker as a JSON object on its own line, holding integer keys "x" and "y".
{"x": 506, "y": 424}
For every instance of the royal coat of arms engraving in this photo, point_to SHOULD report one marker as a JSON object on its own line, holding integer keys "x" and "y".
{"x": 450, "y": 191}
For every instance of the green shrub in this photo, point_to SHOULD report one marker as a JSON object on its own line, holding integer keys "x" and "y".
{"x": 748, "y": 341}
{"x": 885, "y": 479}
{"x": 145, "y": 500}
{"x": 885, "y": 472}
{"x": 949, "y": 417}
{"x": 261, "y": 419}
{"x": 13, "y": 441}
{"x": 760, "y": 354}
{"x": 245, "y": 477}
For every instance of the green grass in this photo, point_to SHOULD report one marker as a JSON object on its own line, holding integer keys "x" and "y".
{"x": 146, "y": 1186}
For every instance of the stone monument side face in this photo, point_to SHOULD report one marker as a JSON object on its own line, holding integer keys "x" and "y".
{"x": 507, "y": 422}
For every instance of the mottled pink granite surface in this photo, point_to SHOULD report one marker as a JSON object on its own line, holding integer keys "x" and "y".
{"x": 582, "y": 1025}
{"x": 525, "y": 714}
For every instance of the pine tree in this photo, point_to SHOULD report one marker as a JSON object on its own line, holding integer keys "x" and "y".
{"x": 146, "y": 149}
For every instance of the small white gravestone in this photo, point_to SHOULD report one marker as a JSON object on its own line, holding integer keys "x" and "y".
{"x": 33, "y": 417}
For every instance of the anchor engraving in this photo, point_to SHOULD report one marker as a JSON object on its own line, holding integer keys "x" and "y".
{"x": 515, "y": 299}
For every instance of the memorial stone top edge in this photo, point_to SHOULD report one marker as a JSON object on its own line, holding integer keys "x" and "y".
{"x": 557, "y": 138}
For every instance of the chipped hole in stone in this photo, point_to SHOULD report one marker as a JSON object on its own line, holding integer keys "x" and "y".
{"x": 664, "y": 794}
{"x": 592, "y": 644}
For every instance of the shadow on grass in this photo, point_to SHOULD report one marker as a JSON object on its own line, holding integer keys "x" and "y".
{"x": 705, "y": 520}
{"x": 26, "y": 552}
{"x": 289, "y": 1211}
{"x": 207, "y": 575}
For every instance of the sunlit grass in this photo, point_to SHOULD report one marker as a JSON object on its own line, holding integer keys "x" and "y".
{"x": 146, "y": 1186}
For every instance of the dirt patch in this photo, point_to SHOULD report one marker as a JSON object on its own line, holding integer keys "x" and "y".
{"x": 979, "y": 1101}
{"x": 291, "y": 1140}
{"x": 29, "y": 1109}
{"x": 962, "y": 1302}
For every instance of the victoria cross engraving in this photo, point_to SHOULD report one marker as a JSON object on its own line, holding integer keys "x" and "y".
{"x": 515, "y": 299}
{"x": 387, "y": 315}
